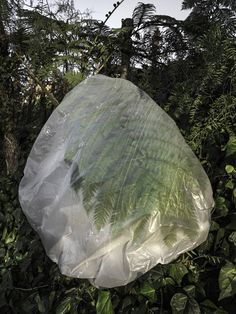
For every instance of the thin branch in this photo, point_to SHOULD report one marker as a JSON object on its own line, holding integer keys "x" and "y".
{"x": 30, "y": 289}
{"x": 110, "y": 14}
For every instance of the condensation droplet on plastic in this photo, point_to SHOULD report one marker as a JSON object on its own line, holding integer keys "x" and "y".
{"x": 48, "y": 131}
{"x": 63, "y": 115}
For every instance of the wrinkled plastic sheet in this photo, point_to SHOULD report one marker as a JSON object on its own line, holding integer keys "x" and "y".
{"x": 111, "y": 186}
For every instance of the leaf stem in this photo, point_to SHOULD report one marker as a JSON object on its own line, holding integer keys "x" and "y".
{"x": 30, "y": 289}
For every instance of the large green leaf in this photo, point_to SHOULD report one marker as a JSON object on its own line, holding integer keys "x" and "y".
{"x": 210, "y": 308}
{"x": 181, "y": 304}
{"x": 177, "y": 272}
{"x": 104, "y": 305}
{"x": 231, "y": 146}
{"x": 148, "y": 291}
{"x": 227, "y": 281}
{"x": 178, "y": 303}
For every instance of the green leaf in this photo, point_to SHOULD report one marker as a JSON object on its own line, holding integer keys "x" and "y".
{"x": 214, "y": 226}
{"x": 41, "y": 306}
{"x": 178, "y": 303}
{"x": 220, "y": 201}
{"x": 166, "y": 281}
{"x": 148, "y": 291}
{"x": 231, "y": 146}
{"x": 181, "y": 304}
{"x": 51, "y": 298}
{"x": 221, "y": 208}
{"x": 232, "y": 237}
{"x": 104, "y": 305}
{"x": 229, "y": 169}
{"x": 234, "y": 195}
{"x": 219, "y": 238}
{"x": 73, "y": 78}
{"x": 193, "y": 307}
{"x": 211, "y": 308}
{"x": 10, "y": 237}
{"x": 229, "y": 185}
{"x": 177, "y": 272}
{"x": 64, "y": 307}
{"x": 227, "y": 281}
{"x": 190, "y": 290}
{"x": 225, "y": 247}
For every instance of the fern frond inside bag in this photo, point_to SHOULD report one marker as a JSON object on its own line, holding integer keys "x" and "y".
{"x": 111, "y": 186}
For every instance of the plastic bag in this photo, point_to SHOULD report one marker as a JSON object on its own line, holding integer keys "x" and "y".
{"x": 111, "y": 186}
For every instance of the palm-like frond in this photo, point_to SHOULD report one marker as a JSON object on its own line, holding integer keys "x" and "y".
{"x": 188, "y": 4}
{"x": 135, "y": 166}
{"x": 142, "y": 13}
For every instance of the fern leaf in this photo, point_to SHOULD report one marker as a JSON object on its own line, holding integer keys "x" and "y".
{"x": 142, "y": 13}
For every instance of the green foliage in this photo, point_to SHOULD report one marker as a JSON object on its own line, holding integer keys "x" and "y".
{"x": 129, "y": 171}
{"x": 142, "y": 13}
{"x": 104, "y": 305}
{"x": 181, "y": 303}
{"x": 148, "y": 291}
{"x": 227, "y": 281}
{"x": 177, "y": 272}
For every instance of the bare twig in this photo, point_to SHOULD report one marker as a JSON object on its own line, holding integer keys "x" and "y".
{"x": 111, "y": 12}
{"x": 31, "y": 289}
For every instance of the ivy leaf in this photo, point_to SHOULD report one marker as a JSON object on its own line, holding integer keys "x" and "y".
{"x": 221, "y": 208}
{"x": 148, "y": 291}
{"x": 177, "y": 272}
{"x": 232, "y": 237}
{"x": 178, "y": 303}
{"x": 227, "y": 281}
{"x": 167, "y": 281}
{"x": 210, "y": 307}
{"x": 231, "y": 146}
{"x": 181, "y": 304}
{"x": 229, "y": 169}
{"x": 229, "y": 185}
{"x": 104, "y": 305}
{"x": 190, "y": 290}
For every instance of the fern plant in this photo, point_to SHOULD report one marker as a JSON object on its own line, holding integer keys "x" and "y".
{"x": 133, "y": 167}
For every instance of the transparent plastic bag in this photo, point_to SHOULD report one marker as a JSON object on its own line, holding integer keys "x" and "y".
{"x": 111, "y": 186}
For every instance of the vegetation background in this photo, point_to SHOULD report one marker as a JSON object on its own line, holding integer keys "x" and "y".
{"x": 189, "y": 68}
